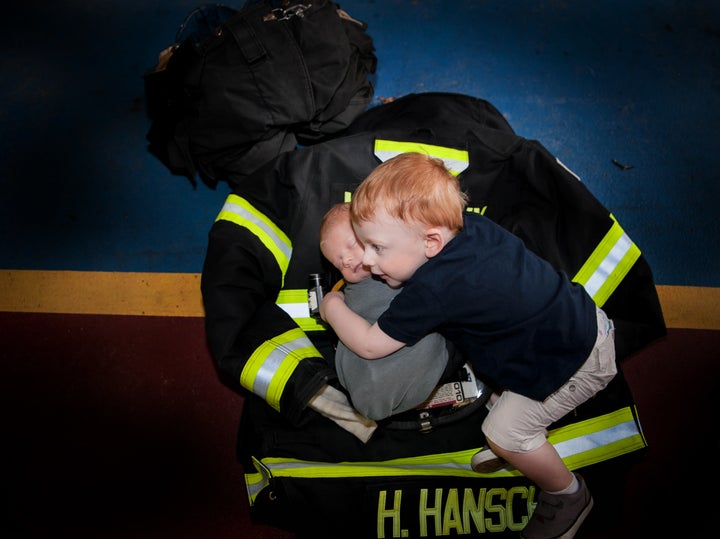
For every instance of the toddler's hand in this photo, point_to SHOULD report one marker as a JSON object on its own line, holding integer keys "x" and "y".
{"x": 327, "y": 302}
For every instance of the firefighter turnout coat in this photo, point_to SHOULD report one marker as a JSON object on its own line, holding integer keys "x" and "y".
{"x": 264, "y": 242}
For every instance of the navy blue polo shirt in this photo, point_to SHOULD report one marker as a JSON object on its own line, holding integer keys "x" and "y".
{"x": 521, "y": 323}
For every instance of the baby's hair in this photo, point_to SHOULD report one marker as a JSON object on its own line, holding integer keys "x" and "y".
{"x": 338, "y": 211}
{"x": 411, "y": 187}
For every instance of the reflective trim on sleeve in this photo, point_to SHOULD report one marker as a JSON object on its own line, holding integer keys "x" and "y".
{"x": 239, "y": 211}
{"x": 598, "y": 439}
{"x": 608, "y": 264}
{"x": 455, "y": 160}
{"x": 273, "y": 362}
{"x": 295, "y": 303}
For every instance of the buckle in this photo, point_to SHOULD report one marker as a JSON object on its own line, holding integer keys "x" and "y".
{"x": 284, "y": 14}
{"x": 448, "y": 403}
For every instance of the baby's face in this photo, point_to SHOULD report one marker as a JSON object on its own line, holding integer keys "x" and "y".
{"x": 342, "y": 248}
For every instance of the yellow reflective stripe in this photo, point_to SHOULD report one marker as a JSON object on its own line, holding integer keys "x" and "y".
{"x": 239, "y": 211}
{"x": 455, "y": 160}
{"x": 295, "y": 303}
{"x": 598, "y": 439}
{"x": 310, "y": 324}
{"x": 271, "y": 364}
{"x": 445, "y": 464}
{"x": 582, "y": 443}
{"x": 255, "y": 482}
{"x": 608, "y": 264}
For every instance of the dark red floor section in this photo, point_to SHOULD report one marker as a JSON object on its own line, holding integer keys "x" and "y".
{"x": 117, "y": 426}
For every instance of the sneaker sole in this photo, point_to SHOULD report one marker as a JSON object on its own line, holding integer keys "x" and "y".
{"x": 575, "y": 527}
{"x": 570, "y": 533}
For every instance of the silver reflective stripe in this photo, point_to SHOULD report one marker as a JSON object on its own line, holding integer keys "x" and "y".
{"x": 608, "y": 265}
{"x": 256, "y": 482}
{"x": 296, "y": 309}
{"x": 272, "y": 363}
{"x": 269, "y": 367}
{"x": 239, "y": 211}
{"x": 294, "y": 302}
{"x": 566, "y": 168}
{"x": 596, "y": 439}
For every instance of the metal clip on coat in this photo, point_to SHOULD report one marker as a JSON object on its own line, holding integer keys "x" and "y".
{"x": 284, "y": 14}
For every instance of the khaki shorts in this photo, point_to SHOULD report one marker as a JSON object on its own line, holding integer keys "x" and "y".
{"x": 519, "y": 424}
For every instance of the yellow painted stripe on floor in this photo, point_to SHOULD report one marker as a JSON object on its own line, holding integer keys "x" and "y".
{"x": 690, "y": 307}
{"x": 98, "y": 292}
{"x": 178, "y": 294}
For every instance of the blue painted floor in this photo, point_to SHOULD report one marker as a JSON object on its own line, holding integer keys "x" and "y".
{"x": 118, "y": 426}
{"x": 638, "y": 82}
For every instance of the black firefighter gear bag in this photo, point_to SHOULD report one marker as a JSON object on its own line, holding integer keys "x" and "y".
{"x": 242, "y": 86}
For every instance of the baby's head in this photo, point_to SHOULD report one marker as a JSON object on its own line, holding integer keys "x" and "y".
{"x": 340, "y": 246}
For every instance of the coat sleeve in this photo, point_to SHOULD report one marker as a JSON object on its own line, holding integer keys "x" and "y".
{"x": 256, "y": 345}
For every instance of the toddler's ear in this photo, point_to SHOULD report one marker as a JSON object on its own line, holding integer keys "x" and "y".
{"x": 434, "y": 241}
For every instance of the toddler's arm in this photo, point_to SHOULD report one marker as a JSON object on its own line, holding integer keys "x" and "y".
{"x": 366, "y": 340}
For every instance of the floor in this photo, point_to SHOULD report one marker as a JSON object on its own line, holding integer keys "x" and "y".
{"x": 116, "y": 424}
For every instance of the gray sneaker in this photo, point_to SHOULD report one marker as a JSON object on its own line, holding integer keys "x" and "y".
{"x": 559, "y": 517}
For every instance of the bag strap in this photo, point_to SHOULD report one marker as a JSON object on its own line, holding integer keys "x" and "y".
{"x": 247, "y": 40}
